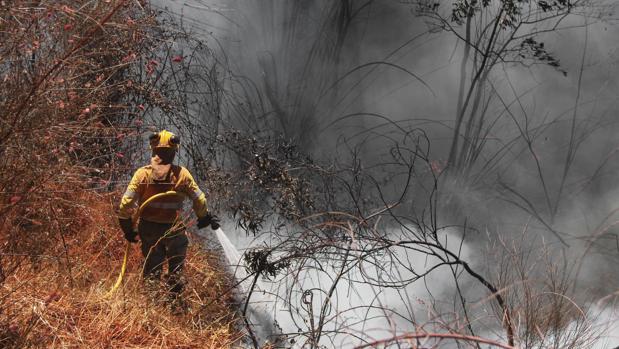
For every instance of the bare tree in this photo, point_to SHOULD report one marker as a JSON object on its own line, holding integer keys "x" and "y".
{"x": 493, "y": 33}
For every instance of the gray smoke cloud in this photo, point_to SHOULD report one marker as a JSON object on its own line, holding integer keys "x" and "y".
{"x": 329, "y": 75}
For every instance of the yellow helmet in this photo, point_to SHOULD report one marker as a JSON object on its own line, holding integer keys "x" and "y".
{"x": 164, "y": 139}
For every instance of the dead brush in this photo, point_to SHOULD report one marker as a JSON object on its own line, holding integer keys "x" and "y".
{"x": 44, "y": 310}
{"x": 76, "y": 78}
{"x": 538, "y": 287}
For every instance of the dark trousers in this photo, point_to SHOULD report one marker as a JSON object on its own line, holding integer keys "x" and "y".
{"x": 160, "y": 241}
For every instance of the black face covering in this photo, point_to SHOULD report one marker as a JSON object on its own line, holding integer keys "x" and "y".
{"x": 165, "y": 156}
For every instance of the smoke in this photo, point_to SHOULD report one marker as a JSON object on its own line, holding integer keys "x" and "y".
{"x": 329, "y": 73}
{"x": 358, "y": 311}
{"x": 287, "y": 50}
{"x": 607, "y": 325}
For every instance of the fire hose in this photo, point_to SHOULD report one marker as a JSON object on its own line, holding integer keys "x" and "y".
{"x": 123, "y": 268}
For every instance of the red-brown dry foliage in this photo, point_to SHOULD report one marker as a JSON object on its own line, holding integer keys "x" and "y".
{"x": 61, "y": 301}
{"x": 75, "y": 76}
{"x": 64, "y": 73}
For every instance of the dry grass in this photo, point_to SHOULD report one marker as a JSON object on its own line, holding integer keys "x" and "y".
{"x": 77, "y": 79}
{"x": 52, "y": 306}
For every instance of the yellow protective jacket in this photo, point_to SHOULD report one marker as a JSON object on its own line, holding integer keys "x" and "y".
{"x": 154, "y": 179}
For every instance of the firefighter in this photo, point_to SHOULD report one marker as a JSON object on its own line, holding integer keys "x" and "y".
{"x": 159, "y": 228}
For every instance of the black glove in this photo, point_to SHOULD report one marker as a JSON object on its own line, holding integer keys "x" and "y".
{"x": 215, "y": 223}
{"x": 207, "y": 220}
{"x": 127, "y": 227}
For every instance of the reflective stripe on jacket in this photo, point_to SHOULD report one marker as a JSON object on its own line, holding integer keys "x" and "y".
{"x": 145, "y": 184}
